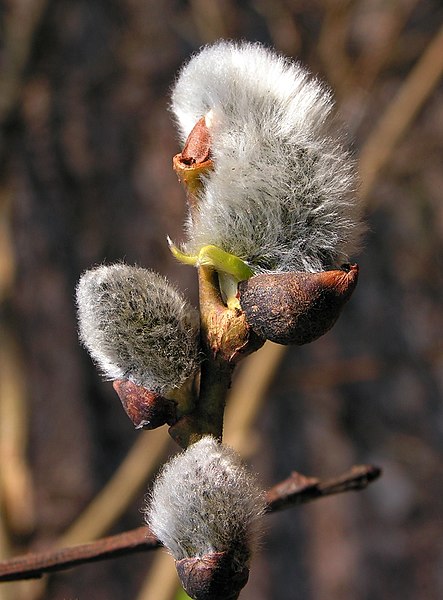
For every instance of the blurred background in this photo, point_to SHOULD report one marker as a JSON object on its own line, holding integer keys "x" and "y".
{"x": 86, "y": 142}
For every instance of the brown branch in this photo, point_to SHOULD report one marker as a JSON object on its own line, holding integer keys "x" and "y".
{"x": 36, "y": 564}
{"x": 296, "y": 489}
{"x": 216, "y": 372}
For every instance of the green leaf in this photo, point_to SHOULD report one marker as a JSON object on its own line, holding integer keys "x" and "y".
{"x": 218, "y": 259}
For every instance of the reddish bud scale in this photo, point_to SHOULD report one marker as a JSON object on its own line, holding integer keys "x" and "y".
{"x": 197, "y": 149}
{"x": 147, "y": 410}
{"x": 195, "y": 160}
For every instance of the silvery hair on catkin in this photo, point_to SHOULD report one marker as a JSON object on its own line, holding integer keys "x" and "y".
{"x": 136, "y": 326}
{"x": 203, "y": 501}
{"x": 281, "y": 194}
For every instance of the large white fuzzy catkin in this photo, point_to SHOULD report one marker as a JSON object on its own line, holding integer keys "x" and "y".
{"x": 136, "y": 326}
{"x": 203, "y": 501}
{"x": 280, "y": 195}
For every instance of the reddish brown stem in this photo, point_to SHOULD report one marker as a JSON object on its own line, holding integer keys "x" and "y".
{"x": 35, "y": 565}
{"x": 296, "y": 489}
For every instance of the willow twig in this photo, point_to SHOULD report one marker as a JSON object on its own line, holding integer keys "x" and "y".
{"x": 34, "y": 565}
{"x": 296, "y": 489}
{"x": 225, "y": 334}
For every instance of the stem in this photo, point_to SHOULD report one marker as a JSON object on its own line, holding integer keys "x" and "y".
{"x": 295, "y": 490}
{"x": 34, "y": 565}
{"x": 225, "y": 334}
{"x": 216, "y": 371}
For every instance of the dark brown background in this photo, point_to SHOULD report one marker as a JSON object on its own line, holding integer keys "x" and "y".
{"x": 85, "y": 149}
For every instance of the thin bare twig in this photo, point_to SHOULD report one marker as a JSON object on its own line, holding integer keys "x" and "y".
{"x": 34, "y": 565}
{"x": 296, "y": 489}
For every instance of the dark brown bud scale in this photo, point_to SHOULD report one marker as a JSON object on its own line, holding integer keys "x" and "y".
{"x": 147, "y": 410}
{"x": 296, "y": 308}
{"x": 212, "y": 577}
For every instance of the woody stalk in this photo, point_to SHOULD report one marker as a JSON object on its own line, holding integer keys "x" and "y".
{"x": 225, "y": 334}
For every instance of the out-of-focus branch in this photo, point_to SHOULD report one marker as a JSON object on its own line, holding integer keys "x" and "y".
{"x": 332, "y": 44}
{"x": 379, "y": 51}
{"x": 117, "y": 494}
{"x": 16, "y": 490}
{"x": 248, "y": 394}
{"x": 21, "y": 21}
{"x": 296, "y": 489}
{"x": 399, "y": 114}
{"x": 162, "y": 581}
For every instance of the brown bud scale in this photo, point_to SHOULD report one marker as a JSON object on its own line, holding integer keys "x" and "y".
{"x": 212, "y": 577}
{"x": 296, "y": 308}
{"x": 147, "y": 410}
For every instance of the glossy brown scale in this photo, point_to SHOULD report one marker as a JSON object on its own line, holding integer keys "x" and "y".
{"x": 147, "y": 410}
{"x": 298, "y": 307}
{"x": 212, "y": 577}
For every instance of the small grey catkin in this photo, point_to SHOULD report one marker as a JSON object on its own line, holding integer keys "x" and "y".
{"x": 136, "y": 326}
{"x": 281, "y": 193}
{"x": 204, "y": 501}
